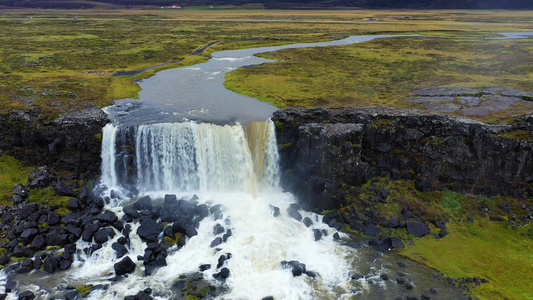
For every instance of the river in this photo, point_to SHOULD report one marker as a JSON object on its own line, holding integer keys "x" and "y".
{"x": 189, "y": 138}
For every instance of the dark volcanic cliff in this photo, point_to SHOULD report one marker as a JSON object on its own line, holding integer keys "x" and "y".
{"x": 70, "y": 143}
{"x": 323, "y": 151}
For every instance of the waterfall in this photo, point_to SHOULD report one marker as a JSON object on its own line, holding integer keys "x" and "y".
{"x": 190, "y": 157}
{"x": 109, "y": 175}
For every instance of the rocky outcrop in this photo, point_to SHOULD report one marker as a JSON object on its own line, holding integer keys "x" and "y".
{"x": 324, "y": 150}
{"x": 69, "y": 143}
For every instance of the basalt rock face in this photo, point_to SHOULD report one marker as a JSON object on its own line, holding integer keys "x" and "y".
{"x": 324, "y": 151}
{"x": 71, "y": 142}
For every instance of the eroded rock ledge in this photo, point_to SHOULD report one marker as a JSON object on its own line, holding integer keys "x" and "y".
{"x": 70, "y": 143}
{"x": 323, "y": 150}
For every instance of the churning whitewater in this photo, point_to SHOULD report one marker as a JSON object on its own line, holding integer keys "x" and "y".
{"x": 251, "y": 245}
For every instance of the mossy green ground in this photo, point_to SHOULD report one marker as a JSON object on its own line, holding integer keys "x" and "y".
{"x": 386, "y": 71}
{"x": 59, "y": 64}
{"x": 488, "y": 249}
{"x": 47, "y": 196}
{"x": 485, "y": 249}
{"x": 12, "y": 172}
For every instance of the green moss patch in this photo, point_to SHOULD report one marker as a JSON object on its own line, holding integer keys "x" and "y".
{"x": 47, "y": 197}
{"x": 11, "y": 172}
{"x": 485, "y": 249}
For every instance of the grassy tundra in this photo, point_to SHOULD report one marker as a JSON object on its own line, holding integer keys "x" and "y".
{"x": 61, "y": 61}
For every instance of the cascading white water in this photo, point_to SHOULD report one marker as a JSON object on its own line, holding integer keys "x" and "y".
{"x": 109, "y": 175}
{"x": 236, "y": 167}
{"x": 194, "y": 157}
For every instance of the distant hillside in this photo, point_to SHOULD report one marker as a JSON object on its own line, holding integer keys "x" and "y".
{"x": 294, "y": 4}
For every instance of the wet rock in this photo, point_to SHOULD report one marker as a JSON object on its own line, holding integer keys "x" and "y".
{"x": 74, "y": 218}
{"x": 417, "y": 229}
{"x": 120, "y": 250}
{"x": 274, "y": 210}
{"x": 73, "y": 295}
{"x": 142, "y": 295}
{"x": 129, "y": 210}
{"x": 108, "y": 217}
{"x": 204, "y": 267}
{"x": 170, "y": 209}
{"x": 73, "y": 204}
{"x": 317, "y": 234}
{"x": 433, "y": 291}
{"x": 371, "y": 230}
{"x": 27, "y": 295}
{"x": 50, "y": 264}
{"x": 336, "y": 236}
{"x": 393, "y": 223}
{"x": 22, "y": 251}
{"x": 380, "y": 244}
{"x": 397, "y": 243}
{"x": 202, "y": 211}
{"x": 4, "y": 260}
{"x": 10, "y": 286}
{"x": 401, "y": 264}
{"x": 400, "y": 280}
{"x": 85, "y": 195}
{"x": 307, "y": 221}
{"x": 227, "y": 235}
{"x": 353, "y": 244}
{"x": 222, "y": 259}
{"x": 149, "y": 229}
{"x": 178, "y": 227}
{"x": 213, "y": 209}
{"x": 293, "y": 212}
{"x": 88, "y": 232}
{"x": 268, "y": 298}
{"x": 223, "y": 274}
{"x": 62, "y": 189}
{"x": 144, "y": 203}
{"x": 425, "y": 297}
{"x": 28, "y": 234}
{"x": 74, "y": 230}
{"x": 186, "y": 209}
{"x": 102, "y": 235}
{"x": 190, "y": 232}
{"x": 65, "y": 264}
{"x": 217, "y": 241}
{"x": 94, "y": 209}
{"x": 311, "y": 274}
{"x": 125, "y": 266}
{"x": 297, "y": 268}
{"x": 331, "y": 219}
{"x": 218, "y": 229}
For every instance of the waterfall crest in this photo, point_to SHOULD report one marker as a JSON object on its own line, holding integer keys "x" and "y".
{"x": 190, "y": 157}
